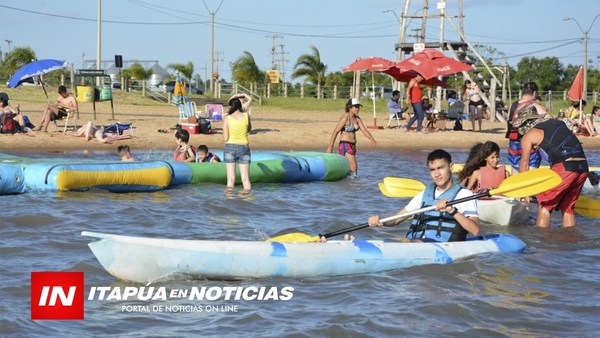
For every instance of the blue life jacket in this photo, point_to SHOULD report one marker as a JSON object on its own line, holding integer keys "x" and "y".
{"x": 435, "y": 225}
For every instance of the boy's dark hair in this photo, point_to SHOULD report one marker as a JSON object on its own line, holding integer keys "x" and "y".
{"x": 576, "y": 104}
{"x": 123, "y": 149}
{"x": 395, "y": 92}
{"x": 4, "y": 99}
{"x": 202, "y": 148}
{"x": 62, "y": 89}
{"x": 183, "y": 135}
{"x": 530, "y": 88}
{"x": 439, "y": 154}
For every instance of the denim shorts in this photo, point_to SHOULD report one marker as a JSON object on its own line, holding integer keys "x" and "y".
{"x": 236, "y": 153}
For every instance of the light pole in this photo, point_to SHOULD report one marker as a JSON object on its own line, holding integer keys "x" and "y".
{"x": 212, "y": 45}
{"x": 585, "y": 49}
{"x": 8, "y": 42}
{"x": 399, "y": 35}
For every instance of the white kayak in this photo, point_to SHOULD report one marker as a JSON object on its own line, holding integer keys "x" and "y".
{"x": 503, "y": 211}
{"x": 148, "y": 260}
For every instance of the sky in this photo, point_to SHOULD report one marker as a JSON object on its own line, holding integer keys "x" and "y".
{"x": 179, "y": 31}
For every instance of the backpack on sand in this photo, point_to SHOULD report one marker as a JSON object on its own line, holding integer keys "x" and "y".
{"x": 8, "y": 124}
{"x": 205, "y": 126}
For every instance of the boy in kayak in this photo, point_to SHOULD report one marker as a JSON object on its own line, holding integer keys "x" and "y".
{"x": 446, "y": 223}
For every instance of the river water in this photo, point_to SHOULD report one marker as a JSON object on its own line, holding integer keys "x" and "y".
{"x": 551, "y": 290}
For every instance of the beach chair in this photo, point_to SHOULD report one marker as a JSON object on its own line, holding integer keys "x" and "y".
{"x": 396, "y": 116}
{"x": 70, "y": 114}
{"x": 187, "y": 109}
{"x": 119, "y": 128}
{"x": 214, "y": 111}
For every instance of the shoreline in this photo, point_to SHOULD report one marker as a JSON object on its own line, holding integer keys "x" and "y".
{"x": 272, "y": 130}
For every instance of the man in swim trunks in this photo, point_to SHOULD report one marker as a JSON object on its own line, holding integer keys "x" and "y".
{"x": 64, "y": 104}
{"x": 567, "y": 159}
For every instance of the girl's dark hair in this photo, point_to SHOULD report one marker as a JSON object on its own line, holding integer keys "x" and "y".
{"x": 464, "y": 86}
{"x": 234, "y": 105}
{"x": 183, "y": 135}
{"x": 595, "y": 109}
{"x": 476, "y": 158}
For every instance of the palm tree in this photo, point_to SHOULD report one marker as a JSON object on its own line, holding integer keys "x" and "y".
{"x": 140, "y": 73}
{"x": 14, "y": 60}
{"x": 186, "y": 70}
{"x": 310, "y": 66}
{"x": 245, "y": 70}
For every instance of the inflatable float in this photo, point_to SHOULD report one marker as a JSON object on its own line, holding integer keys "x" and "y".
{"x": 19, "y": 175}
{"x": 147, "y": 260}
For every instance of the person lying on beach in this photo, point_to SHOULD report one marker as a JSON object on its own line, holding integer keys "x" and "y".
{"x": 90, "y": 132}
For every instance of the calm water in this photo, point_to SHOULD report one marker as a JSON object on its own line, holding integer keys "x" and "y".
{"x": 552, "y": 290}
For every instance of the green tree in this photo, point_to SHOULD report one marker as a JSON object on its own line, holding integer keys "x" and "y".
{"x": 311, "y": 67}
{"x": 138, "y": 72}
{"x": 187, "y": 71}
{"x": 245, "y": 71}
{"x": 548, "y": 72}
{"x": 14, "y": 60}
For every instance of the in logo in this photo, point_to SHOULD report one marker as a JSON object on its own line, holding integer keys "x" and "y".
{"x": 57, "y": 295}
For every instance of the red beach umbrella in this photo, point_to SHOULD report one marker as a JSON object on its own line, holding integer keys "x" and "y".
{"x": 406, "y": 75}
{"x": 372, "y": 64}
{"x": 376, "y": 64}
{"x": 431, "y": 63}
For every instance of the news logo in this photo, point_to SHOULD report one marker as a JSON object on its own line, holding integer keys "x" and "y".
{"x": 57, "y": 295}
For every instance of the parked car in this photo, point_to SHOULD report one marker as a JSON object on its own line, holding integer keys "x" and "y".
{"x": 169, "y": 87}
{"x": 387, "y": 93}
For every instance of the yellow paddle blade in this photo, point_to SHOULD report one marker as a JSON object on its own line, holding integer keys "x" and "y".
{"x": 400, "y": 187}
{"x": 391, "y": 191}
{"x": 587, "y": 207}
{"x": 294, "y": 237}
{"x": 528, "y": 183}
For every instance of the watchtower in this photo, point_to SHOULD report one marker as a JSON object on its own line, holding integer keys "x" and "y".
{"x": 488, "y": 84}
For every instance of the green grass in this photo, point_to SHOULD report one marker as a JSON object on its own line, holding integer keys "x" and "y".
{"x": 35, "y": 94}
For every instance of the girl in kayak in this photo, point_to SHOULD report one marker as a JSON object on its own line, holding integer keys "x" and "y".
{"x": 482, "y": 171}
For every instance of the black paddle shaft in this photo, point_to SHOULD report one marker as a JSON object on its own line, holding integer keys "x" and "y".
{"x": 366, "y": 225}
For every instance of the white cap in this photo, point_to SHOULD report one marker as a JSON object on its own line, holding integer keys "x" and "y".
{"x": 354, "y": 102}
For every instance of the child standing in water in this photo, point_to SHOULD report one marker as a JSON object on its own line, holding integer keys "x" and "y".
{"x": 482, "y": 171}
{"x": 184, "y": 152}
{"x": 125, "y": 153}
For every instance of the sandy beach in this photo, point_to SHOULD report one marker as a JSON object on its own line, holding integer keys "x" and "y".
{"x": 272, "y": 129}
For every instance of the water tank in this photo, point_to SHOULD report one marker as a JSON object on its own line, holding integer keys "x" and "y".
{"x": 159, "y": 75}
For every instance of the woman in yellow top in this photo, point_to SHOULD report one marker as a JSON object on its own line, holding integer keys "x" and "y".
{"x": 573, "y": 115}
{"x": 236, "y": 127}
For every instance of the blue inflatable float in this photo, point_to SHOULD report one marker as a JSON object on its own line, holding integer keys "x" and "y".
{"x": 19, "y": 175}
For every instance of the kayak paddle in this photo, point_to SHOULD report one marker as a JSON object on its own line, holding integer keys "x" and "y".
{"x": 587, "y": 207}
{"x": 400, "y": 187}
{"x": 520, "y": 185}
